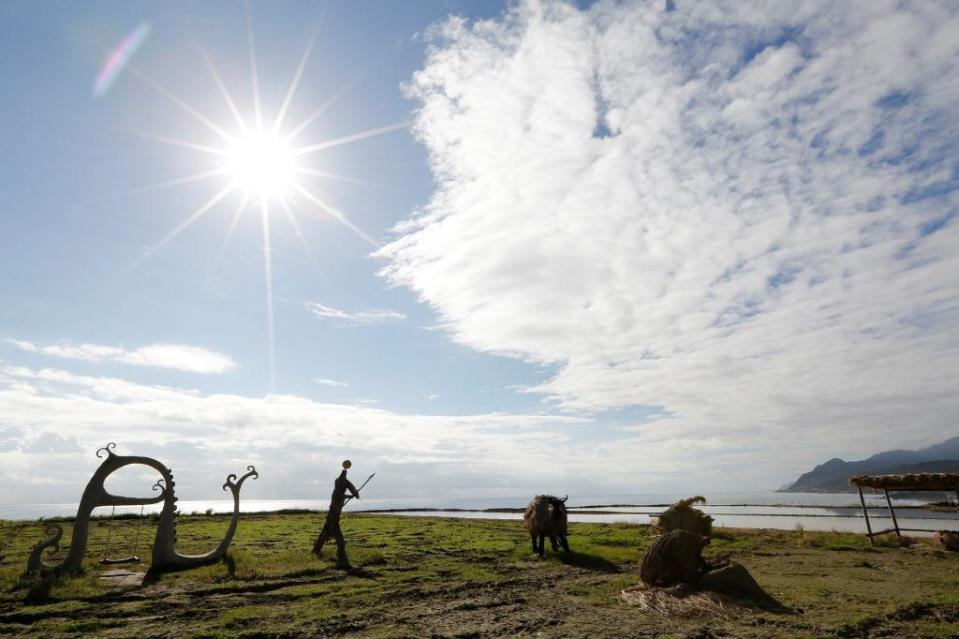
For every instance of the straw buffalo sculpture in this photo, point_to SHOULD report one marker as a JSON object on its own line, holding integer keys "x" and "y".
{"x": 545, "y": 516}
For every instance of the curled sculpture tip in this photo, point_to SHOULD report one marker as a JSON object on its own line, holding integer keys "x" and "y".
{"x": 232, "y": 483}
{"x": 159, "y": 485}
{"x": 107, "y": 449}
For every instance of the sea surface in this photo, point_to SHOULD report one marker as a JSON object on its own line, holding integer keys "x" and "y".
{"x": 784, "y": 511}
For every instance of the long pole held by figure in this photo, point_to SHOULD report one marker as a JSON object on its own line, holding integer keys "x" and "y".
{"x": 359, "y": 489}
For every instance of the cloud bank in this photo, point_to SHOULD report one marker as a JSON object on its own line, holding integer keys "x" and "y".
{"x": 191, "y": 359}
{"x": 743, "y": 214}
{"x": 52, "y": 420}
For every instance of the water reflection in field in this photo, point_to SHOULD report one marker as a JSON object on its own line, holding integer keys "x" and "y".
{"x": 784, "y": 518}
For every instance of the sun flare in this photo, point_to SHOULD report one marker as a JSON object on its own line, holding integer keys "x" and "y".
{"x": 261, "y": 164}
{"x": 264, "y": 165}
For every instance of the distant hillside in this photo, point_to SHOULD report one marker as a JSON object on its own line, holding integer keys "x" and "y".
{"x": 833, "y": 476}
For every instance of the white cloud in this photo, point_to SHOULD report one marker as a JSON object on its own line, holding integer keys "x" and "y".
{"x": 370, "y": 316}
{"x": 52, "y": 420}
{"x": 742, "y": 213}
{"x": 330, "y": 382}
{"x": 177, "y": 356}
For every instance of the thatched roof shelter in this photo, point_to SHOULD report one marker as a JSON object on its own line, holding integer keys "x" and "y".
{"x": 914, "y": 481}
{"x": 933, "y": 482}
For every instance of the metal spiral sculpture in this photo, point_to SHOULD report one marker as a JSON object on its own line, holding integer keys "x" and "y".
{"x": 165, "y": 555}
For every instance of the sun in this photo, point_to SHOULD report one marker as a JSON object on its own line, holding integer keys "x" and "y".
{"x": 264, "y": 164}
{"x": 261, "y": 164}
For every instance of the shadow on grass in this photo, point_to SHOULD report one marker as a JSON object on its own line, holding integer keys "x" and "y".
{"x": 38, "y": 587}
{"x": 343, "y": 563}
{"x": 357, "y": 571}
{"x": 39, "y": 590}
{"x": 589, "y": 562}
{"x": 153, "y": 575}
{"x": 230, "y": 564}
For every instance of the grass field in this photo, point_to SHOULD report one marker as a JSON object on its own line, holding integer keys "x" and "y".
{"x": 432, "y": 577}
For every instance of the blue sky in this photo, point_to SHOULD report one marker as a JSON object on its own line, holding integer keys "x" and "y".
{"x": 71, "y": 250}
{"x": 660, "y": 246}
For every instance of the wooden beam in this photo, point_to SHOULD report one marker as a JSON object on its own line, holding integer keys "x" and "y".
{"x": 892, "y": 512}
{"x": 865, "y": 512}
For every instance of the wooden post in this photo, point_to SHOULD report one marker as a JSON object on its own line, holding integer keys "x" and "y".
{"x": 862, "y": 500}
{"x": 892, "y": 512}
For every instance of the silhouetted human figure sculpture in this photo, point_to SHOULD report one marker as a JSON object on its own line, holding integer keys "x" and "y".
{"x": 332, "y": 526}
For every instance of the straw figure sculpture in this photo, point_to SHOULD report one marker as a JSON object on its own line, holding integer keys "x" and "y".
{"x": 675, "y": 561}
{"x": 545, "y": 516}
{"x": 682, "y": 516}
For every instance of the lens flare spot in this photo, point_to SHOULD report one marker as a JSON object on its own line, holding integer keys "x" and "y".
{"x": 118, "y": 58}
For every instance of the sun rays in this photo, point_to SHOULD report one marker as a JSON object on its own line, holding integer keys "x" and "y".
{"x": 258, "y": 162}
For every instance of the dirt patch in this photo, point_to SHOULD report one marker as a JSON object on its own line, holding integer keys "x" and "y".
{"x": 122, "y": 578}
{"x": 903, "y": 622}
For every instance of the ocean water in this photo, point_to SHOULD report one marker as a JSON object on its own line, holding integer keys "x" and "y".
{"x": 784, "y": 511}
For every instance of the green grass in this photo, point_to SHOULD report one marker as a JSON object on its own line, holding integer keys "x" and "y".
{"x": 445, "y": 578}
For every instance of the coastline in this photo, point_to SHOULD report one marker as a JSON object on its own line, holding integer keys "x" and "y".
{"x": 735, "y": 514}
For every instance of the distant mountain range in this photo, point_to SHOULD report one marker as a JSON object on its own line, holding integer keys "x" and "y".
{"x": 833, "y": 476}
